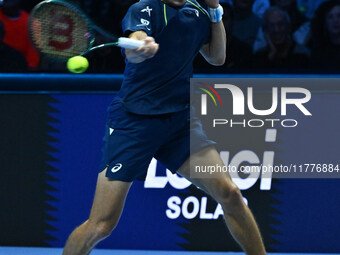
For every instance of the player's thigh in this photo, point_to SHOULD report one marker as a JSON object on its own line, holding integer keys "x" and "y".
{"x": 109, "y": 200}
{"x": 186, "y": 138}
{"x": 217, "y": 185}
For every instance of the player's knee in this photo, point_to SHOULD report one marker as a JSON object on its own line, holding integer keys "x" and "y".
{"x": 104, "y": 228}
{"x": 229, "y": 196}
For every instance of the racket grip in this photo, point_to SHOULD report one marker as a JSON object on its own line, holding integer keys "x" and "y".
{"x": 129, "y": 43}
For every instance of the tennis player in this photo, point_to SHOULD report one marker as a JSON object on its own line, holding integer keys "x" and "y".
{"x": 150, "y": 117}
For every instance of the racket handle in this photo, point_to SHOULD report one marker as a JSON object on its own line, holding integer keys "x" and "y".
{"x": 129, "y": 43}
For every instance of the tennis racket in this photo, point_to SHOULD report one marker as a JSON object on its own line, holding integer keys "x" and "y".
{"x": 60, "y": 30}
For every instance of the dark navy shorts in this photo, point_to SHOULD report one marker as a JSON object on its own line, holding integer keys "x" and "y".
{"x": 132, "y": 140}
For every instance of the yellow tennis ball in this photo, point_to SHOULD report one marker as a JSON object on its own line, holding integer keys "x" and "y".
{"x": 77, "y": 64}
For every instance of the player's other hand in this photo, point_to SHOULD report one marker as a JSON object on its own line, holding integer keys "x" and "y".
{"x": 148, "y": 50}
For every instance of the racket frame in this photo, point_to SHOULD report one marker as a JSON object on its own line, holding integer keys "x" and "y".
{"x": 91, "y": 27}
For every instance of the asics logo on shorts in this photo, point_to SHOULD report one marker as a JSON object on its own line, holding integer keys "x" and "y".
{"x": 116, "y": 168}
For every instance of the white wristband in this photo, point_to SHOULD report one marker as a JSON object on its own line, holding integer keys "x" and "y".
{"x": 215, "y": 14}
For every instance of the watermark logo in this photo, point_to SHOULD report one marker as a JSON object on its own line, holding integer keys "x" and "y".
{"x": 258, "y": 125}
{"x": 204, "y": 97}
{"x": 243, "y": 104}
{"x": 239, "y": 100}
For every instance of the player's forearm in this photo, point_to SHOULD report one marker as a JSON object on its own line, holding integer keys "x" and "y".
{"x": 217, "y": 46}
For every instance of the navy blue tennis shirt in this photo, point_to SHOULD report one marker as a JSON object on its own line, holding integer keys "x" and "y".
{"x": 162, "y": 84}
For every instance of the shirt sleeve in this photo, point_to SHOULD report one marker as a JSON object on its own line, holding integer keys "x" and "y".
{"x": 139, "y": 17}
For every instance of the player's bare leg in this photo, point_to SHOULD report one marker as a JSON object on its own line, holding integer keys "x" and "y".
{"x": 105, "y": 213}
{"x": 238, "y": 217}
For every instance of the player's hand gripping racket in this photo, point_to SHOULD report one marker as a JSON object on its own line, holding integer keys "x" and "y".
{"x": 61, "y": 31}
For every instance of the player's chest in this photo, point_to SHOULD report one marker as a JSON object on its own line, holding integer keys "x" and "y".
{"x": 190, "y": 20}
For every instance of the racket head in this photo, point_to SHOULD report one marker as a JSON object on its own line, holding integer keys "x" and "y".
{"x": 60, "y": 30}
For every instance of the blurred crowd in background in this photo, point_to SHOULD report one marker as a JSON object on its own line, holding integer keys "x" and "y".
{"x": 264, "y": 36}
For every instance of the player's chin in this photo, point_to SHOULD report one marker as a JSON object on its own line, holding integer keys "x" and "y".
{"x": 178, "y": 2}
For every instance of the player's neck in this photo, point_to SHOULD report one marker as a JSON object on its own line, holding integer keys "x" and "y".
{"x": 174, "y": 3}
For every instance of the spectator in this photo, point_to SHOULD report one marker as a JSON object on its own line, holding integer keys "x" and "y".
{"x": 281, "y": 54}
{"x": 16, "y": 26}
{"x": 299, "y": 24}
{"x": 246, "y": 23}
{"x": 290, "y": 6}
{"x": 11, "y": 61}
{"x": 326, "y": 37}
{"x": 308, "y": 7}
{"x": 238, "y": 53}
{"x": 260, "y": 6}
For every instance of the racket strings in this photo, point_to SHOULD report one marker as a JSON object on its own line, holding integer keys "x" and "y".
{"x": 59, "y": 31}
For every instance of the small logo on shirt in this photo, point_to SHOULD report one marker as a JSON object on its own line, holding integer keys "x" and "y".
{"x": 116, "y": 168}
{"x": 147, "y": 10}
{"x": 111, "y": 131}
{"x": 197, "y": 13}
{"x": 144, "y": 23}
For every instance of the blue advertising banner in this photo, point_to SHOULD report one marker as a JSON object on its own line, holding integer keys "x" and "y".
{"x": 50, "y": 153}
